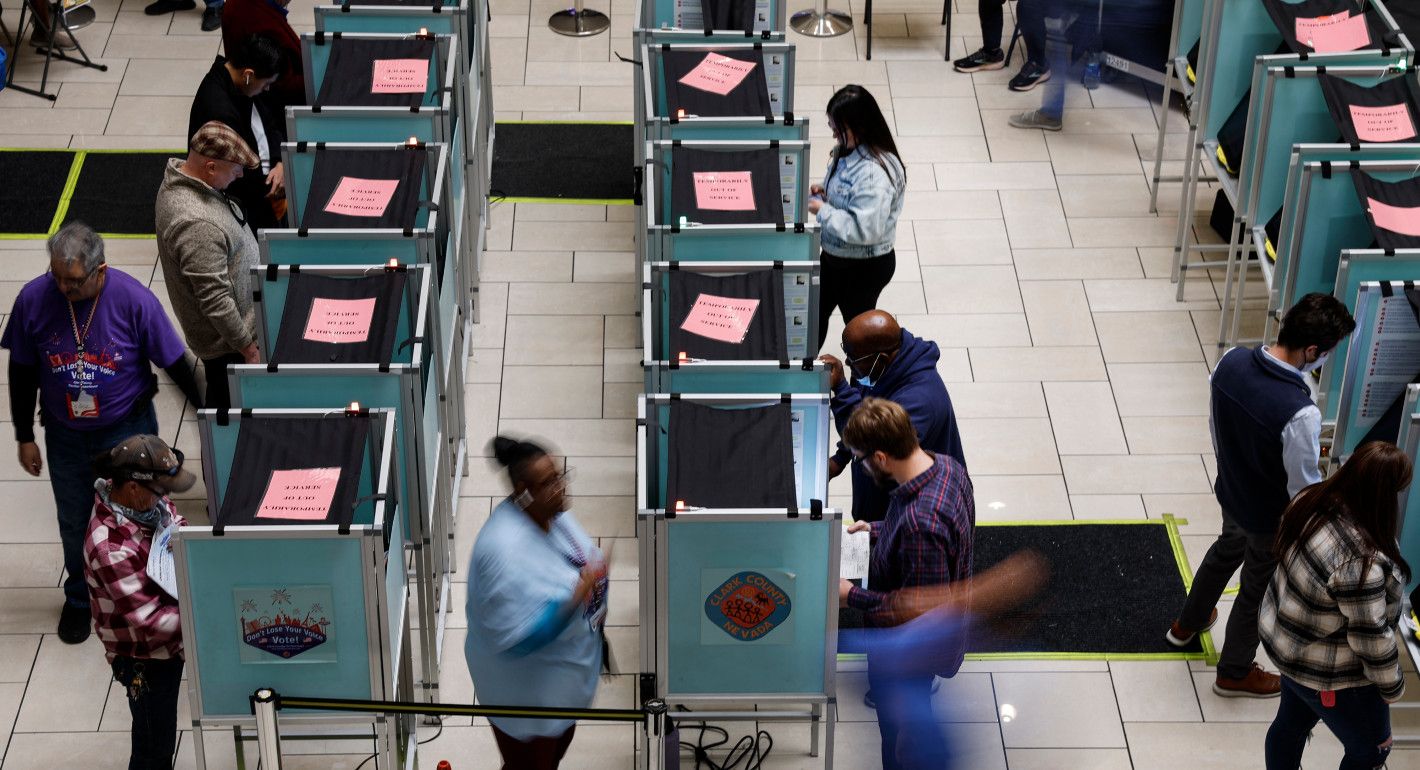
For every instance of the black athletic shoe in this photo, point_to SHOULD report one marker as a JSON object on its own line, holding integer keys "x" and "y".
{"x": 74, "y": 624}
{"x": 981, "y": 60}
{"x": 1030, "y": 76}
{"x": 168, "y": 6}
{"x": 212, "y": 18}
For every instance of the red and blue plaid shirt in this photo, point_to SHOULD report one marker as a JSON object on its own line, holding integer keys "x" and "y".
{"x": 925, "y": 539}
{"x": 133, "y": 616}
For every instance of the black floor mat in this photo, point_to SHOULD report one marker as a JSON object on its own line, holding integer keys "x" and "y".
{"x": 1113, "y": 589}
{"x": 116, "y": 190}
{"x": 563, "y": 161}
{"x": 31, "y": 185}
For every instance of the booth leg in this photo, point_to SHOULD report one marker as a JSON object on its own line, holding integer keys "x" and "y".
{"x": 1237, "y": 257}
{"x": 814, "y": 725}
{"x": 819, "y": 21}
{"x": 199, "y": 749}
{"x": 830, "y": 721}
{"x": 1159, "y": 141}
{"x": 268, "y": 734}
{"x": 578, "y": 22}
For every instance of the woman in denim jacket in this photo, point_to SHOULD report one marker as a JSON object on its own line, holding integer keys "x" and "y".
{"x": 857, "y": 207}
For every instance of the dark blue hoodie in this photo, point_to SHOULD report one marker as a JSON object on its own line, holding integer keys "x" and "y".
{"x": 913, "y": 382}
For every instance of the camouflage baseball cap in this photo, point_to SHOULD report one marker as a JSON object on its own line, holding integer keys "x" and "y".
{"x": 148, "y": 459}
{"x": 218, "y": 141}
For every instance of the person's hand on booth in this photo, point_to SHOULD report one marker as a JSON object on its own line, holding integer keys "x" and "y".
{"x": 835, "y": 370}
{"x": 276, "y": 181}
{"x": 30, "y": 458}
{"x": 834, "y": 468}
{"x": 251, "y": 354}
{"x": 845, "y": 587}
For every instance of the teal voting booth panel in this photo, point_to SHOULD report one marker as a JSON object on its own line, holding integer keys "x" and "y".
{"x": 668, "y": 371}
{"x": 683, "y": 21}
{"x": 452, "y": 18}
{"x": 666, "y": 239}
{"x": 1288, "y": 109}
{"x": 1322, "y": 215}
{"x": 1233, "y": 33}
{"x": 1188, "y": 25}
{"x": 709, "y": 649}
{"x": 1384, "y": 360}
{"x": 235, "y": 584}
{"x": 658, "y": 119}
{"x": 1409, "y": 441}
{"x": 809, "y": 428}
{"x": 1357, "y": 267}
{"x": 441, "y": 118}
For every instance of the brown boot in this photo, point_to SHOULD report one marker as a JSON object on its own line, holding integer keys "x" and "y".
{"x": 1257, "y": 684}
{"x": 1179, "y": 636}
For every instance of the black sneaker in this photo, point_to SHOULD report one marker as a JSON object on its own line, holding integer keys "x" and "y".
{"x": 868, "y": 700}
{"x": 981, "y": 60}
{"x": 74, "y": 624}
{"x": 1030, "y": 76}
{"x": 168, "y": 6}
{"x": 212, "y": 18}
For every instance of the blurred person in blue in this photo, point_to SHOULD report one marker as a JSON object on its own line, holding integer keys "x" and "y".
{"x": 925, "y": 541}
{"x": 889, "y": 362}
{"x": 537, "y": 593}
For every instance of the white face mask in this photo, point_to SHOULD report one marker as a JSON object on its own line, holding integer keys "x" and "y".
{"x": 1314, "y": 365}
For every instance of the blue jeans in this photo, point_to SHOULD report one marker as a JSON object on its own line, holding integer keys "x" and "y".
{"x": 153, "y": 705}
{"x": 70, "y": 455}
{"x": 1360, "y": 719}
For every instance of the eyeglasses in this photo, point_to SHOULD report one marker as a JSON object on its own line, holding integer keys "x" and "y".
{"x": 64, "y": 281}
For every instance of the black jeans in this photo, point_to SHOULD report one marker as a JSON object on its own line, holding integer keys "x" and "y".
{"x": 1235, "y": 547}
{"x": 1359, "y": 718}
{"x": 153, "y": 704}
{"x": 851, "y": 285}
{"x": 992, "y": 15}
{"x": 219, "y": 393}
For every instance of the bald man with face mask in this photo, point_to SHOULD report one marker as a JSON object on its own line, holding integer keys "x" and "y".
{"x": 887, "y": 361}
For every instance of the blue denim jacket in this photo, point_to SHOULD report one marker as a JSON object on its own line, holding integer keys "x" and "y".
{"x": 861, "y": 206}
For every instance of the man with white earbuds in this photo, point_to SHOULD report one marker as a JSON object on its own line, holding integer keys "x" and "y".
{"x": 1267, "y": 437}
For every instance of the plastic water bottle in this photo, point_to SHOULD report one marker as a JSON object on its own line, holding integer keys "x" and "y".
{"x": 1091, "y": 79}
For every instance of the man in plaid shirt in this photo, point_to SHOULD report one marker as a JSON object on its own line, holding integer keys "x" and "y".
{"x": 924, "y": 541}
{"x": 135, "y": 611}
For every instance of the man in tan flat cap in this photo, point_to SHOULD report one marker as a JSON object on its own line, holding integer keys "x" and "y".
{"x": 207, "y": 252}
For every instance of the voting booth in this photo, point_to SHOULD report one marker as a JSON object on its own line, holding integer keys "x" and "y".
{"x": 719, "y": 91}
{"x": 1409, "y": 442}
{"x": 731, "y": 327}
{"x": 728, "y": 200}
{"x": 739, "y": 558}
{"x": 705, "y": 21}
{"x": 1384, "y": 360}
{"x": 299, "y": 583}
{"x": 337, "y": 335}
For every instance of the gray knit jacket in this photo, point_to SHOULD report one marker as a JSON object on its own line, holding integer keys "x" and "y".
{"x": 207, "y": 256}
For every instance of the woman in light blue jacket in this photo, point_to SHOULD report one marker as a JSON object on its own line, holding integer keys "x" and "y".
{"x": 857, "y": 207}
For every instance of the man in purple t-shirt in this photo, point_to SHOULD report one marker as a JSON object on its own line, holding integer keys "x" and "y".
{"x": 83, "y": 336}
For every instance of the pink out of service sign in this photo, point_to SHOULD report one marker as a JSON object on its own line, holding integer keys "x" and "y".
{"x": 1335, "y": 33}
{"x": 1397, "y": 219}
{"x": 400, "y": 76}
{"x": 718, "y": 74}
{"x": 1382, "y": 124}
{"x": 339, "y": 320}
{"x": 726, "y": 319}
{"x": 723, "y": 190}
{"x": 355, "y": 197}
{"x": 301, "y": 494}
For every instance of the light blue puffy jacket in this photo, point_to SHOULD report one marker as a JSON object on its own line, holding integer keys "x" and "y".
{"x": 861, "y": 206}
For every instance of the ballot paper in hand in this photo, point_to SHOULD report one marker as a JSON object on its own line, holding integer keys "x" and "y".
{"x": 1335, "y": 33}
{"x": 354, "y": 197}
{"x": 726, "y": 319}
{"x": 399, "y": 76}
{"x": 160, "y": 560}
{"x": 339, "y": 320}
{"x": 853, "y": 560}
{"x": 1382, "y": 124}
{"x": 723, "y": 190}
{"x": 718, "y": 74}
{"x": 1397, "y": 219}
{"x": 299, "y": 494}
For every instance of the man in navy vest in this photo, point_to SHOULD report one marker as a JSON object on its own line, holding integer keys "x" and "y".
{"x": 1267, "y": 436}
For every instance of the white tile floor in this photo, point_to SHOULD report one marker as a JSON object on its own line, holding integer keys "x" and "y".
{"x": 1031, "y": 259}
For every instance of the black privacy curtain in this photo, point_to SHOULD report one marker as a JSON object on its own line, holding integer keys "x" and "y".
{"x": 298, "y": 342}
{"x": 750, "y": 97}
{"x": 730, "y": 458}
{"x": 764, "y": 340}
{"x": 1392, "y": 209}
{"x": 341, "y": 169}
{"x": 349, "y": 75}
{"x": 728, "y": 14}
{"x": 690, "y": 168}
{"x": 1383, "y": 112}
{"x": 268, "y": 445}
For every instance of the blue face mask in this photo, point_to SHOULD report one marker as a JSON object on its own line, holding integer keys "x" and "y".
{"x": 866, "y": 382}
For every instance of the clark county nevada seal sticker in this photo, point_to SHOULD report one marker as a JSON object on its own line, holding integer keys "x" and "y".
{"x": 749, "y": 605}
{"x": 285, "y": 624}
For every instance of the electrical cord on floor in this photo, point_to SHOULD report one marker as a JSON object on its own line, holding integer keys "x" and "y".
{"x": 437, "y": 733}
{"x": 746, "y": 750}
